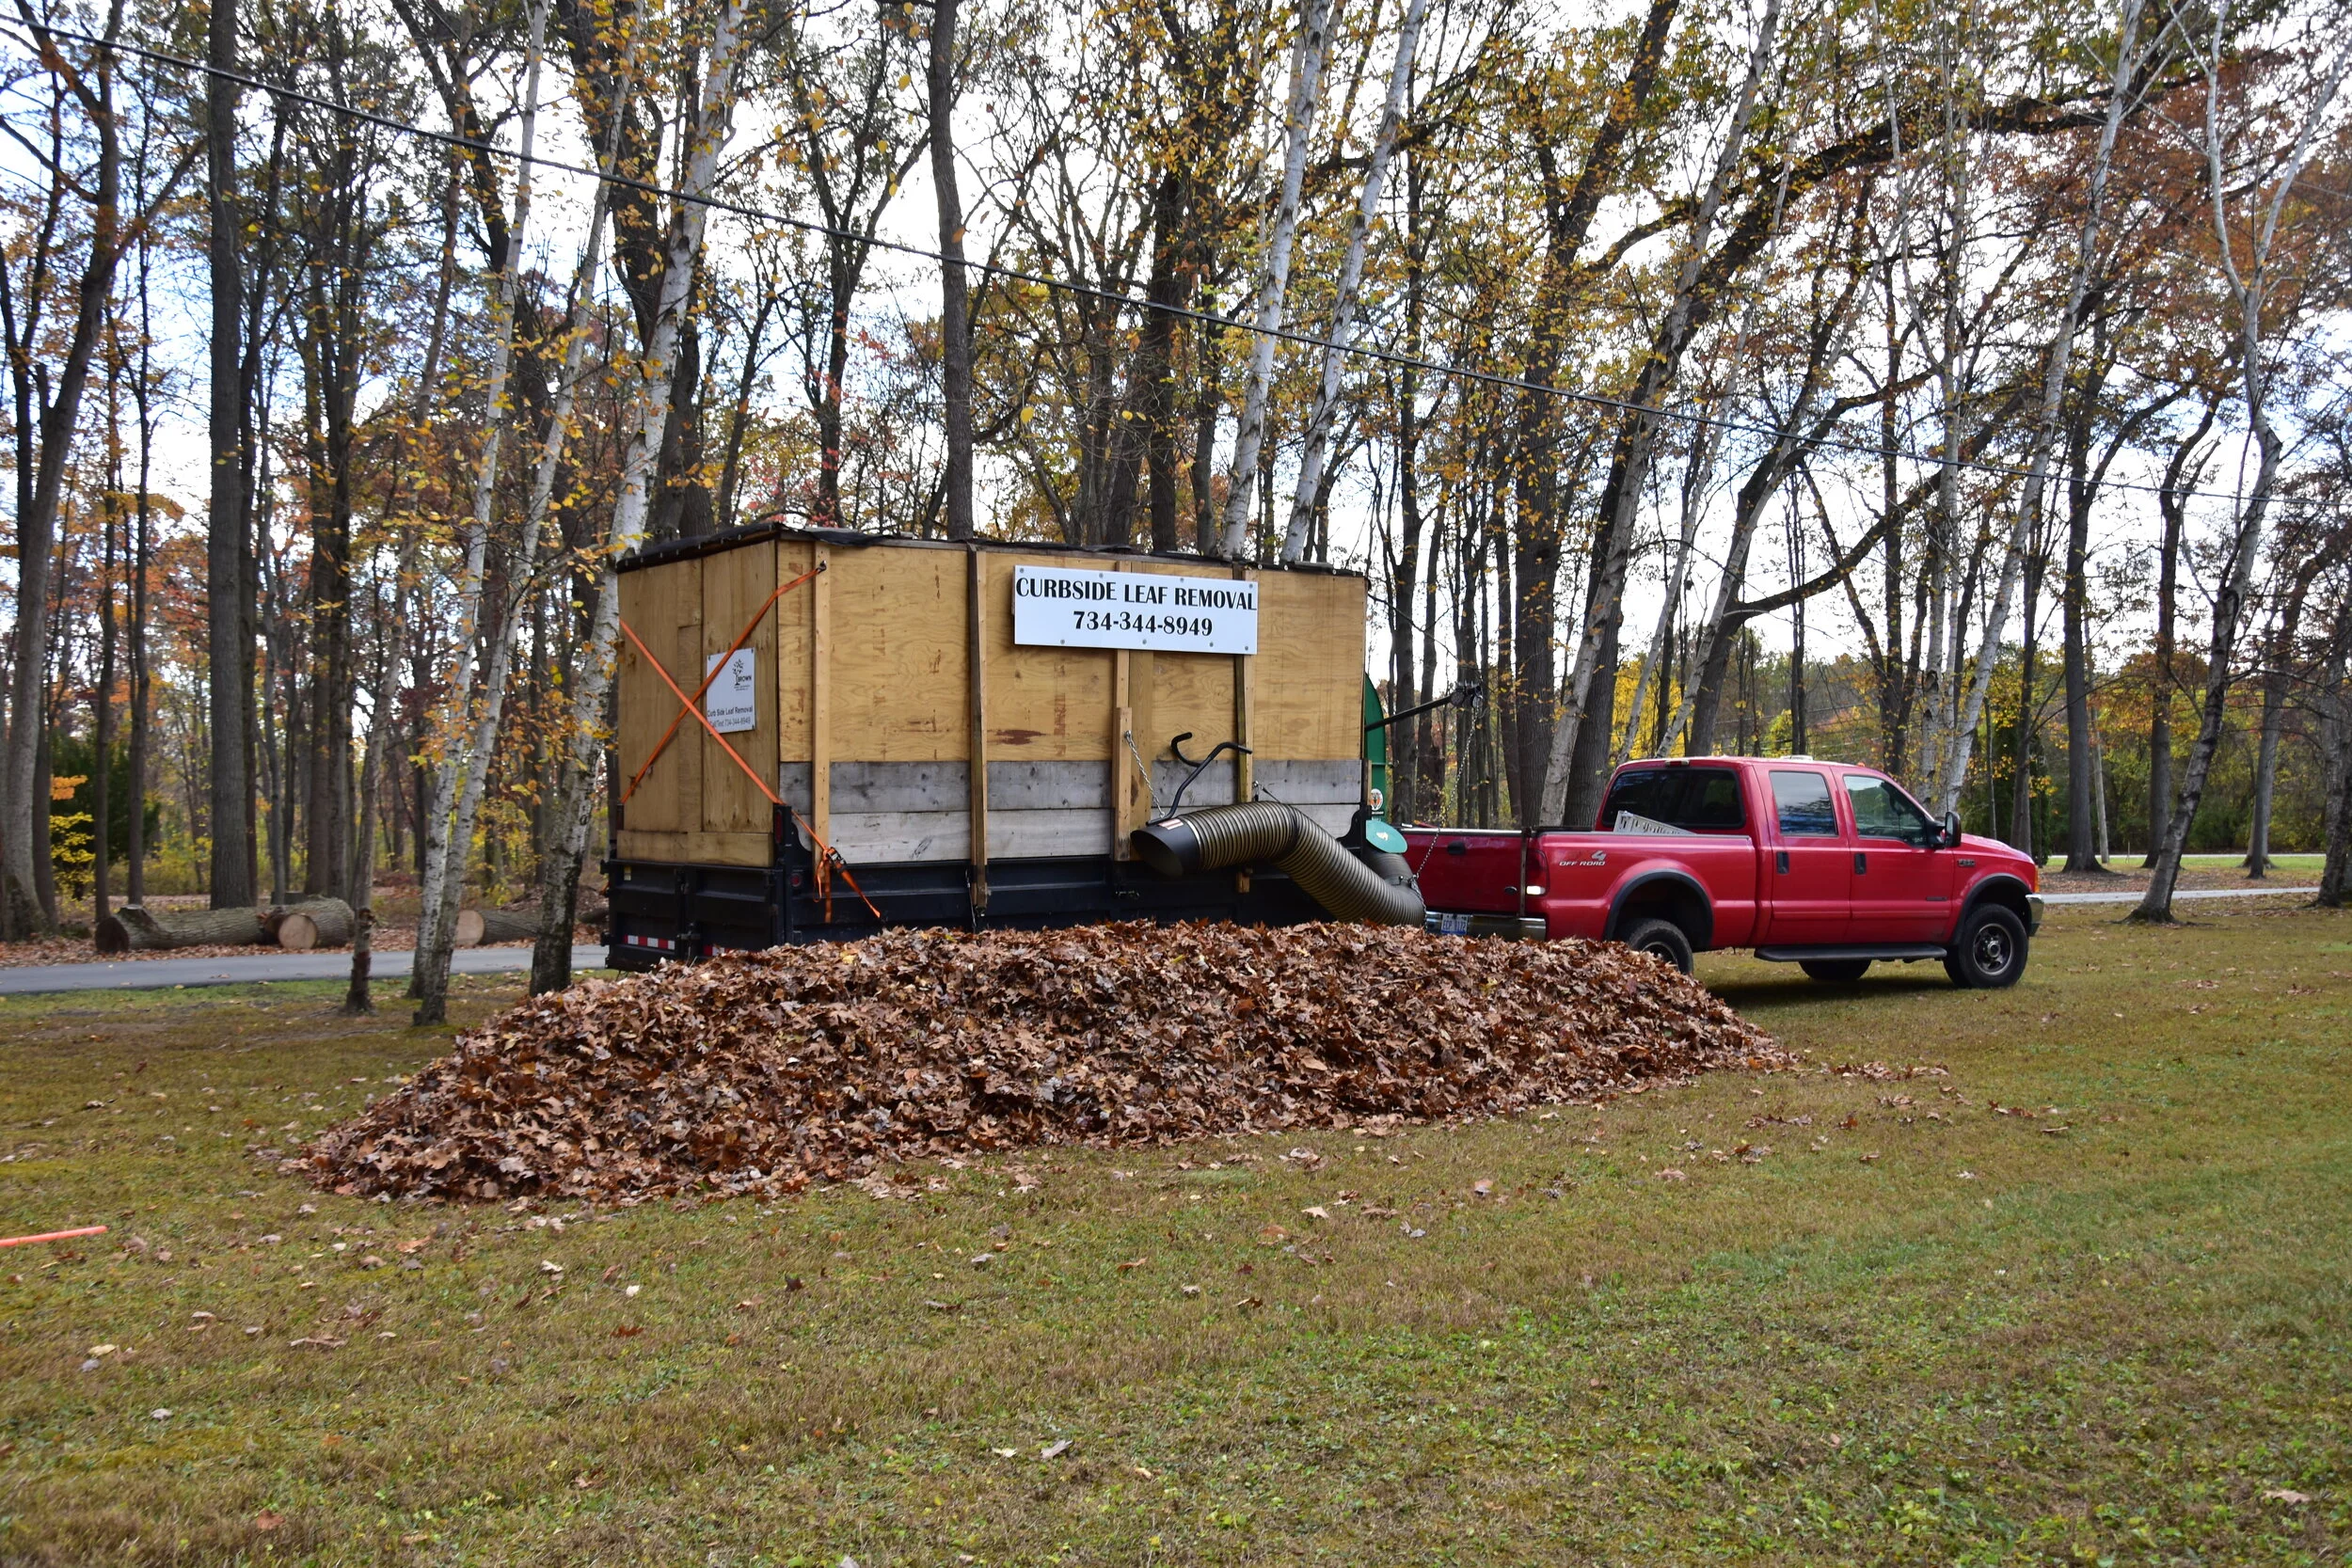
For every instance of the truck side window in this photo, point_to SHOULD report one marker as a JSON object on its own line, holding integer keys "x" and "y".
{"x": 1802, "y": 799}
{"x": 1883, "y": 811}
{"x": 1697, "y": 799}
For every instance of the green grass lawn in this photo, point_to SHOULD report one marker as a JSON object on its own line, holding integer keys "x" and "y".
{"x": 2109, "y": 1327}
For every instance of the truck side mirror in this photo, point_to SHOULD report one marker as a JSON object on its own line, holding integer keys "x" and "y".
{"x": 1952, "y": 829}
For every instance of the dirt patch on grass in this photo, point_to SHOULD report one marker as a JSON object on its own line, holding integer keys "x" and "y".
{"x": 768, "y": 1070}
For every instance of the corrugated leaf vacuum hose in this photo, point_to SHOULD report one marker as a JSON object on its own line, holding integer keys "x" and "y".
{"x": 1267, "y": 832}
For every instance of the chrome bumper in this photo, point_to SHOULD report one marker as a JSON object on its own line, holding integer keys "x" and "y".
{"x": 2033, "y": 913}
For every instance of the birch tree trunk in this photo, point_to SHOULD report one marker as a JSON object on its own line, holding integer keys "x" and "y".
{"x": 1958, "y": 739}
{"x": 2249, "y": 290}
{"x": 706, "y": 132}
{"x": 1308, "y": 496}
{"x": 1274, "y": 276}
{"x": 448, "y": 827}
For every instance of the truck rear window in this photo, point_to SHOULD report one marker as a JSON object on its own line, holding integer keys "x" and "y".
{"x": 1697, "y": 799}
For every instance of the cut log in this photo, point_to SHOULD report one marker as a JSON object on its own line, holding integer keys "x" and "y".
{"x": 135, "y": 929}
{"x": 478, "y": 927}
{"x": 312, "y": 922}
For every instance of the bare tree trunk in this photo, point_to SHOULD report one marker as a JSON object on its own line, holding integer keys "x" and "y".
{"x": 2179, "y": 475}
{"x": 230, "y": 648}
{"x": 2266, "y": 763}
{"x": 1317, "y": 437}
{"x": 2249, "y": 290}
{"x": 708, "y": 127}
{"x": 955, "y": 325}
{"x": 1274, "y": 275}
{"x": 1958, "y": 736}
{"x": 466, "y": 737}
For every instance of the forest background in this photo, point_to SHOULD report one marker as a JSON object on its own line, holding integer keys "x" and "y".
{"x": 1952, "y": 388}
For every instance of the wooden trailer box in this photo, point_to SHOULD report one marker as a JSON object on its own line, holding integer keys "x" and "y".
{"x": 905, "y": 731}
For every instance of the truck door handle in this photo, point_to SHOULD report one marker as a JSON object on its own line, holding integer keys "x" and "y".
{"x": 1861, "y": 862}
{"x": 1780, "y": 862}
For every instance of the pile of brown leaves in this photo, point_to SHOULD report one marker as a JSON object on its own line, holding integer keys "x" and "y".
{"x": 771, "y": 1069}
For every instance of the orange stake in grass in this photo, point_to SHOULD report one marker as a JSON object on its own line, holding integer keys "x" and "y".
{"x": 53, "y": 1236}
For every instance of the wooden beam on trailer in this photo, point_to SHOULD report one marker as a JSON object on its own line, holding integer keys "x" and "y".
{"x": 975, "y": 763}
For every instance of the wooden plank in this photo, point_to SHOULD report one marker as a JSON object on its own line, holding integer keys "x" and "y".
{"x": 735, "y": 586}
{"x": 697, "y": 847}
{"x": 1123, "y": 790}
{"x": 1246, "y": 698}
{"x": 795, "y": 615}
{"x": 976, "y": 740}
{"x": 820, "y": 699}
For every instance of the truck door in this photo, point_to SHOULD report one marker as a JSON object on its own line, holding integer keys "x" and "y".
{"x": 1903, "y": 887}
{"x": 1810, "y": 879}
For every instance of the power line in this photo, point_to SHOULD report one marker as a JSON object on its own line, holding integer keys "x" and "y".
{"x": 1120, "y": 296}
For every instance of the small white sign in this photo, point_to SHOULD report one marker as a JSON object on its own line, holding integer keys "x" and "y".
{"x": 1063, "y": 606}
{"x": 733, "y": 700}
{"x": 1634, "y": 822}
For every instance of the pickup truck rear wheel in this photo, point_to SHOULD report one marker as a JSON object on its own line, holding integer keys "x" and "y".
{"x": 1835, "y": 971}
{"x": 1991, "y": 952}
{"x": 1660, "y": 938}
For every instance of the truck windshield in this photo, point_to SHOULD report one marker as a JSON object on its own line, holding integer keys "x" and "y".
{"x": 1697, "y": 799}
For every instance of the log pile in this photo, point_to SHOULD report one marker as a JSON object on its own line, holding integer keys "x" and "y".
{"x": 765, "y": 1072}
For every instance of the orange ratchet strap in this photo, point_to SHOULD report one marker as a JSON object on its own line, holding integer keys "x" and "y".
{"x": 830, "y": 857}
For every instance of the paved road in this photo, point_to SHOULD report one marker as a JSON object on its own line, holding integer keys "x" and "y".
{"x": 160, "y": 974}
{"x": 2134, "y": 894}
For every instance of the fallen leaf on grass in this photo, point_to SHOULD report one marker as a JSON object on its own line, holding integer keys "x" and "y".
{"x": 628, "y": 1331}
{"x": 941, "y": 1306}
{"x": 2281, "y": 1495}
{"x": 1133, "y": 1263}
{"x": 321, "y": 1340}
{"x": 1670, "y": 1174}
{"x": 1483, "y": 1188}
{"x": 1006, "y": 1453}
{"x": 1054, "y": 1451}
{"x": 266, "y": 1520}
{"x": 1316, "y": 1211}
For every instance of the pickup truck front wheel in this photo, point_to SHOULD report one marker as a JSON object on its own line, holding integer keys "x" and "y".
{"x": 1662, "y": 940}
{"x": 1991, "y": 952}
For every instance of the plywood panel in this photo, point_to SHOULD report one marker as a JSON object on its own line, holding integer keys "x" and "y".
{"x": 1195, "y": 692}
{"x": 1309, "y": 701}
{"x": 656, "y": 602}
{"x": 1043, "y": 704}
{"x": 792, "y": 619}
{"x": 735, "y": 587}
{"x": 901, "y": 646}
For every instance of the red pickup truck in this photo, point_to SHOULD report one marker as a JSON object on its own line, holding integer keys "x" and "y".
{"x": 1830, "y": 867}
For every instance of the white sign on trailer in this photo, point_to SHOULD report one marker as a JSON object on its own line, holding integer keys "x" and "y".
{"x": 1063, "y": 606}
{"x": 733, "y": 700}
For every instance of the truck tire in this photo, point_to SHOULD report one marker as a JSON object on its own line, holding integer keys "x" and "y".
{"x": 1660, "y": 938}
{"x": 1836, "y": 971}
{"x": 1991, "y": 952}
